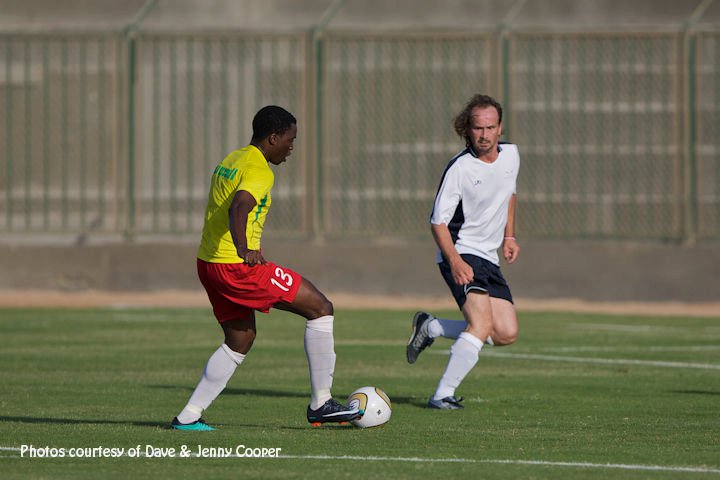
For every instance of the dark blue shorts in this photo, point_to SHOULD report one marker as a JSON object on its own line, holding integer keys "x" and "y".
{"x": 488, "y": 279}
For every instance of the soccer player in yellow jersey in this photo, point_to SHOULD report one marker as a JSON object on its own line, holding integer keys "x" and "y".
{"x": 239, "y": 280}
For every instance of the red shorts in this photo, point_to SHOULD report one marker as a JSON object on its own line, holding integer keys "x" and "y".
{"x": 236, "y": 290}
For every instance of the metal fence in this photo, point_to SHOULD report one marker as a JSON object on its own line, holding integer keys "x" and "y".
{"x": 388, "y": 105}
{"x": 119, "y": 133}
{"x": 600, "y": 121}
{"x": 61, "y": 133}
{"x": 195, "y": 100}
{"x": 703, "y": 187}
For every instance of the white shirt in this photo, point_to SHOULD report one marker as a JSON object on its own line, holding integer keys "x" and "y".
{"x": 473, "y": 201}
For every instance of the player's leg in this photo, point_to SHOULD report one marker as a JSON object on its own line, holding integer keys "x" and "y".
{"x": 420, "y": 337}
{"x": 446, "y": 328}
{"x": 478, "y": 314}
{"x": 310, "y": 303}
{"x": 319, "y": 339}
{"x": 465, "y": 351}
{"x": 427, "y": 327}
{"x": 240, "y": 334}
{"x": 238, "y": 324}
{"x": 505, "y": 323}
{"x": 220, "y": 367}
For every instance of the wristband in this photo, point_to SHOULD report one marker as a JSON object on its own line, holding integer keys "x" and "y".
{"x": 509, "y": 238}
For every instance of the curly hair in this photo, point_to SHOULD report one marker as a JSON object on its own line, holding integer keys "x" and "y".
{"x": 462, "y": 121}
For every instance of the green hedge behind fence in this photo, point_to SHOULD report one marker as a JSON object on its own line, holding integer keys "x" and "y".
{"x": 119, "y": 134}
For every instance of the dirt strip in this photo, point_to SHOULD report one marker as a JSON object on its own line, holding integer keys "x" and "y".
{"x": 193, "y": 298}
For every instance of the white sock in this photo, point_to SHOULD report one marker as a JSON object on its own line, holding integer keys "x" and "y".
{"x": 320, "y": 351}
{"x": 463, "y": 357}
{"x": 442, "y": 327}
{"x": 218, "y": 370}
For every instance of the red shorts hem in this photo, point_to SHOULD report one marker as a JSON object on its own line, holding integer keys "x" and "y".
{"x": 236, "y": 290}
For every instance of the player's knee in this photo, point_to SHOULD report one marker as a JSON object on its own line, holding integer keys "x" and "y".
{"x": 241, "y": 342}
{"x": 325, "y": 308}
{"x": 250, "y": 338}
{"x": 479, "y": 333}
{"x": 318, "y": 306}
{"x": 507, "y": 337}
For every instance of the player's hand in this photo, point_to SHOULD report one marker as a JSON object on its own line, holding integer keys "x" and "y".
{"x": 253, "y": 257}
{"x": 511, "y": 250}
{"x": 462, "y": 272}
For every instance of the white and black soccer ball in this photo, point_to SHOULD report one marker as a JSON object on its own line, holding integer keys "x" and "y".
{"x": 375, "y": 403}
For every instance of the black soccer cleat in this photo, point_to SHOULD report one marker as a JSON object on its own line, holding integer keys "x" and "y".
{"x": 420, "y": 337}
{"x": 332, "y": 412}
{"x": 447, "y": 403}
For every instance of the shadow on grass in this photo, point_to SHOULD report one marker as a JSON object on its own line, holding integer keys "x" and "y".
{"x": 696, "y": 392}
{"x": 81, "y": 421}
{"x": 242, "y": 391}
{"x": 412, "y": 401}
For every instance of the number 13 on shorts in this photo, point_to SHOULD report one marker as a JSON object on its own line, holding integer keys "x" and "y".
{"x": 282, "y": 279}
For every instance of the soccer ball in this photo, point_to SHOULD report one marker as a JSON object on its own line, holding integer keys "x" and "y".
{"x": 376, "y": 404}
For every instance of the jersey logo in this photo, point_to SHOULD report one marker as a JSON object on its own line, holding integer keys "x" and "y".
{"x": 225, "y": 172}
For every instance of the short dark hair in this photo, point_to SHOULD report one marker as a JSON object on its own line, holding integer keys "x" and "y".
{"x": 462, "y": 121}
{"x": 271, "y": 119}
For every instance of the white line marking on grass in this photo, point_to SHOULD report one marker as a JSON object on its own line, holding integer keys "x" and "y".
{"x": 634, "y": 348}
{"x": 619, "y": 466}
{"x": 599, "y": 361}
{"x": 613, "y": 327}
{"x": 606, "y": 361}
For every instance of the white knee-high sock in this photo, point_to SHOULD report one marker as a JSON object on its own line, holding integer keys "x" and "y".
{"x": 442, "y": 327}
{"x": 218, "y": 370}
{"x": 463, "y": 357}
{"x": 320, "y": 351}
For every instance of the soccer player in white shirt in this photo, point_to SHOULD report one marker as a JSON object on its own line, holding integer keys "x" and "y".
{"x": 473, "y": 216}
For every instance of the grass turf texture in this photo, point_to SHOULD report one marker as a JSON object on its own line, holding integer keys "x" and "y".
{"x": 115, "y": 378}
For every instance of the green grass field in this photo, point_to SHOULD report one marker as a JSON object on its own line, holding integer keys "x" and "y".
{"x": 578, "y": 396}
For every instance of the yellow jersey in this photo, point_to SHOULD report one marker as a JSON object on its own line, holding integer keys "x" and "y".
{"x": 244, "y": 169}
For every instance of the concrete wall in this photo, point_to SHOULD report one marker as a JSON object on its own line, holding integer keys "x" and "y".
{"x": 596, "y": 271}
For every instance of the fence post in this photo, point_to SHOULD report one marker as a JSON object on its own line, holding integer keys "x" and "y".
{"x": 130, "y": 227}
{"x": 131, "y": 38}
{"x": 504, "y": 39}
{"x": 317, "y": 223}
{"x": 316, "y": 34}
{"x": 504, "y": 33}
{"x": 690, "y": 172}
{"x": 9, "y": 134}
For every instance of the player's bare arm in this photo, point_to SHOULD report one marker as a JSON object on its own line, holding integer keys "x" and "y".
{"x": 462, "y": 272}
{"x": 243, "y": 202}
{"x": 511, "y": 249}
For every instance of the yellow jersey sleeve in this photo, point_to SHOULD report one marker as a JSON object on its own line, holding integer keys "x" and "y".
{"x": 244, "y": 169}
